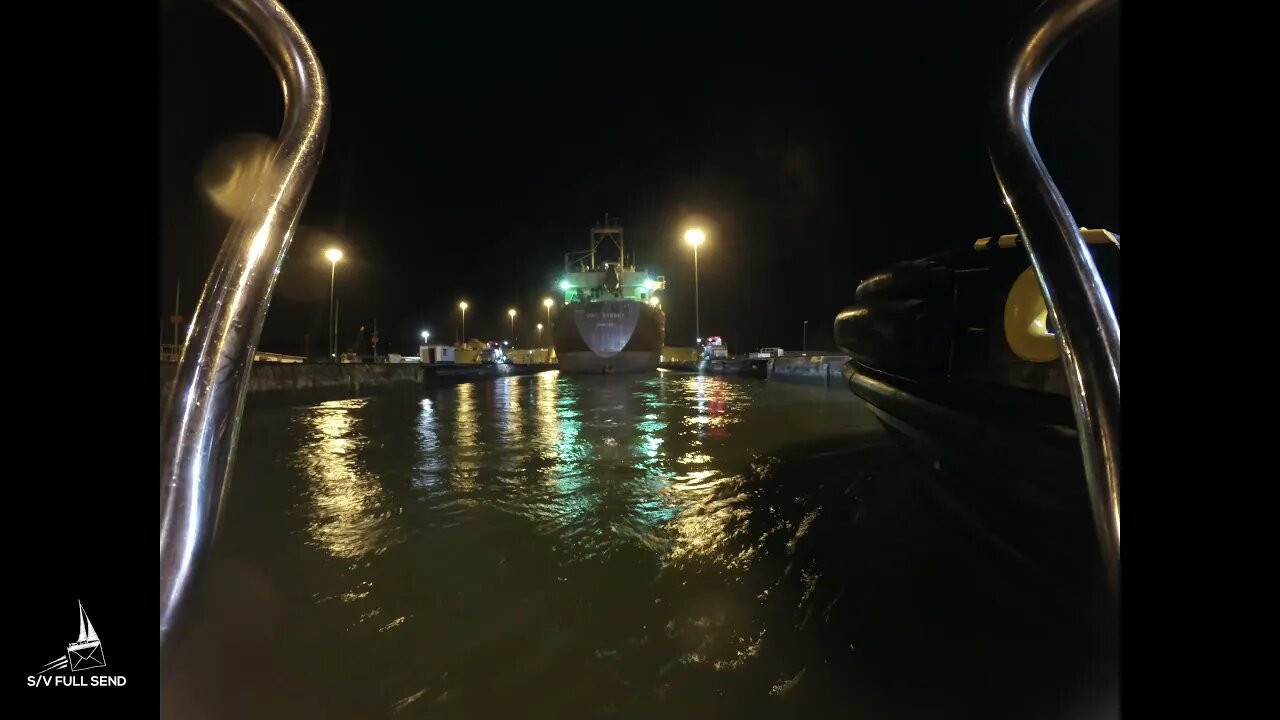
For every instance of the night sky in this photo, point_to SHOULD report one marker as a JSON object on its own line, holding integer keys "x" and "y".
{"x": 471, "y": 148}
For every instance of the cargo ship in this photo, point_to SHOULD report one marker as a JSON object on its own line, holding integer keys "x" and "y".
{"x": 610, "y": 319}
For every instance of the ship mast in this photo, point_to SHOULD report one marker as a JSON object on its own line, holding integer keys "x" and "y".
{"x": 611, "y": 230}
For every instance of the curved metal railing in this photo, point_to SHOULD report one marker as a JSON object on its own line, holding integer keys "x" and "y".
{"x": 1088, "y": 332}
{"x": 202, "y": 418}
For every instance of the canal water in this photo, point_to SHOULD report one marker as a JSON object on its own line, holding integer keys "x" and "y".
{"x": 550, "y": 546}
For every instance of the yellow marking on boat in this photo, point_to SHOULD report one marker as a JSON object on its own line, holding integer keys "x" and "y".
{"x": 1099, "y": 236}
{"x": 1095, "y": 236}
{"x": 1026, "y": 321}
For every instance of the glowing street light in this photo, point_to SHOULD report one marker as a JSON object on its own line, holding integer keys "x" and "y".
{"x": 463, "y": 307}
{"x": 539, "y": 333}
{"x": 426, "y": 336}
{"x": 695, "y": 237}
{"x": 333, "y": 255}
{"x": 547, "y": 303}
{"x": 512, "y": 314}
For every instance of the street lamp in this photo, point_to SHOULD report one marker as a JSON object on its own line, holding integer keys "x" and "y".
{"x": 463, "y": 307}
{"x": 512, "y": 314}
{"x": 333, "y": 255}
{"x": 695, "y": 237}
{"x": 804, "y": 341}
{"x": 426, "y": 336}
{"x": 547, "y": 303}
{"x": 539, "y": 333}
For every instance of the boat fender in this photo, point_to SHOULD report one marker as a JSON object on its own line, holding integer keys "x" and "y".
{"x": 905, "y": 281}
{"x": 1026, "y": 321}
{"x": 894, "y": 335}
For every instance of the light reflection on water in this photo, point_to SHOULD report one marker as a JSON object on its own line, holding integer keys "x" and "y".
{"x": 348, "y": 512}
{"x": 545, "y": 546}
{"x": 599, "y": 475}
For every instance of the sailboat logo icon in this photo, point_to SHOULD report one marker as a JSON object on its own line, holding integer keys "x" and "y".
{"x": 83, "y": 654}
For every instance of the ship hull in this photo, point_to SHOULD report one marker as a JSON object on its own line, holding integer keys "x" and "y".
{"x": 623, "y": 362}
{"x": 612, "y": 336}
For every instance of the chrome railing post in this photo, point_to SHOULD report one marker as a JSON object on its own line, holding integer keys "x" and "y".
{"x": 202, "y": 418}
{"x": 1088, "y": 332}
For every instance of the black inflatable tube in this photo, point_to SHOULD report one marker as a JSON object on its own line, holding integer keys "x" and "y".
{"x": 902, "y": 336}
{"x": 918, "y": 279}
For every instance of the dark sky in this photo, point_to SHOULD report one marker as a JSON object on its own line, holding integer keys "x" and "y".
{"x": 470, "y": 148}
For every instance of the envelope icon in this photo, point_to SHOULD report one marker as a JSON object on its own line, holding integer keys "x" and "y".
{"x": 85, "y": 655}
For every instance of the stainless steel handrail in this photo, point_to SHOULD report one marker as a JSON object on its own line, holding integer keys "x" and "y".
{"x": 202, "y": 417}
{"x": 1088, "y": 332}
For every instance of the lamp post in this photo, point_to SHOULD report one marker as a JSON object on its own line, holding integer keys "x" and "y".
{"x": 463, "y": 307}
{"x": 695, "y": 237}
{"x": 512, "y": 314}
{"x": 333, "y": 255}
{"x": 804, "y": 338}
{"x": 426, "y": 337}
{"x": 547, "y": 303}
{"x": 539, "y": 333}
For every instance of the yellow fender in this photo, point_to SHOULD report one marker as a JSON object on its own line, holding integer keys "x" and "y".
{"x": 1026, "y": 321}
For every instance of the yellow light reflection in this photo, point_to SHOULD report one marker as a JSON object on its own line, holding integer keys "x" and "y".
{"x": 546, "y": 420}
{"x": 233, "y": 170}
{"x": 749, "y": 651}
{"x": 511, "y": 451}
{"x": 706, "y": 407}
{"x": 349, "y": 513}
{"x": 701, "y": 528}
{"x": 467, "y": 453}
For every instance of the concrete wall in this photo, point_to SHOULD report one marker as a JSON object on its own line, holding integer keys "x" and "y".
{"x": 344, "y": 380}
{"x": 336, "y": 379}
{"x": 724, "y": 367}
{"x": 671, "y": 353}
{"x": 825, "y": 369}
{"x": 531, "y": 356}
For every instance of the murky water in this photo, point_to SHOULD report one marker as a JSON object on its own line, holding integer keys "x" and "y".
{"x": 634, "y": 547}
